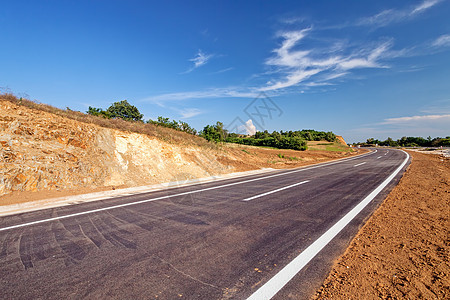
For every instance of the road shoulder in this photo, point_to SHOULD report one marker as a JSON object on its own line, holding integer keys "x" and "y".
{"x": 403, "y": 249}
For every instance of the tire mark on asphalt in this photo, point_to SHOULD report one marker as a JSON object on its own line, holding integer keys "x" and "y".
{"x": 41, "y": 251}
{"x": 134, "y": 219}
{"x": 72, "y": 249}
{"x": 4, "y": 246}
{"x": 24, "y": 250}
{"x": 92, "y": 234}
{"x": 106, "y": 228}
{"x": 87, "y": 237}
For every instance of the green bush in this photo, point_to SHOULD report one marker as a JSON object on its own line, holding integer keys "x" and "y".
{"x": 118, "y": 110}
{"x": 125, "y": 111}
{"x": 180, "y": 125}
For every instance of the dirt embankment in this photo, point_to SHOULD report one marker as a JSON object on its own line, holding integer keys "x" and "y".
{"x": 44, "y": 155}
{"x": 402, "y": 252}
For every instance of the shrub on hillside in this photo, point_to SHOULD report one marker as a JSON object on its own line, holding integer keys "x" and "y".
{"x": 180, "y": 125}
{"x": 118, "y": 110}
{"x": 125, "y": 111}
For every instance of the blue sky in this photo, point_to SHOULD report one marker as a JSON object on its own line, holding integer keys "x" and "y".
{"x": 358, "y": 68}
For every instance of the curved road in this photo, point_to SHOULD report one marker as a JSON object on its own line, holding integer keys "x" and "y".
{"x": 272, "y": 235}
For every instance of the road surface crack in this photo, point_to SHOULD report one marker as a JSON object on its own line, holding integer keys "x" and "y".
{"x": 185, "y": 274}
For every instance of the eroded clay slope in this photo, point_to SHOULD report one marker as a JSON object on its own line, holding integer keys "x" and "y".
{"x": 42, "y": 151}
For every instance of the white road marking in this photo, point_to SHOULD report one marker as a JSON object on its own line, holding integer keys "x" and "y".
{"x": 277, "y": 190}
{"x": 176, "y": 195}
{"x": 276, "y": 283}
{"x": 360, "y": 164}
{"x": 378, "y": 157}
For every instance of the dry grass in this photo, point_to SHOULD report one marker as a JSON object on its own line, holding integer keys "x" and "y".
{"x": 162, "y": 133}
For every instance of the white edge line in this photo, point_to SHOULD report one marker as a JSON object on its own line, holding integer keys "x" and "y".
{"x": 274, "y": 191}
{"x": 175, "y": 195}
{"x": 276, "y": 283}
{"x": 360, "y": 164}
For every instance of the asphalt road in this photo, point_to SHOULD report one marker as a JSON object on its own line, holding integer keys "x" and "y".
{"x": 257, "y": 236}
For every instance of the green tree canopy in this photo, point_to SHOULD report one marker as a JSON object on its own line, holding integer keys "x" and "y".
{"x": 124, "y": 110}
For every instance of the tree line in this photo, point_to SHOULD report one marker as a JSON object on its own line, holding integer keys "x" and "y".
{"x": 409, "y": 142}
{"x": 128, "y": 112}
{"x": 296, "y": 140}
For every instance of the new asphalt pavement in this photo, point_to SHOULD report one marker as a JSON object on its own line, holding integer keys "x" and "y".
{"x": 272, "y": 235}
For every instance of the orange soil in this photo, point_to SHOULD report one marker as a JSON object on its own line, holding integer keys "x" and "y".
{"x": 402, "y": 252}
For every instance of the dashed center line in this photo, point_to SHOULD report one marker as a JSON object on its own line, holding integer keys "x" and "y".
{"x": 277, "y": 282}
{"x": 378, "y": 157}
{"x": 176, "y": 195}
{"x": 360, "y": 164}
{"x": 277, "y": 190}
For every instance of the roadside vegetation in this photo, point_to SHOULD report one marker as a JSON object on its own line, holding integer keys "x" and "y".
{"x": 122, "y": 115}
{"x": 102, "y": 118}
{"x": 295, "y": 140}
{"x": 409, "y": 142}
{"x": 330, "y": 146}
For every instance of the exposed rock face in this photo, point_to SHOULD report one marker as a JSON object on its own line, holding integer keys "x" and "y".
{"x": 42, "y": 151}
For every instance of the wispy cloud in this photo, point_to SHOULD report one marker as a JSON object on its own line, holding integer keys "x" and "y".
{"x": 231, "y": 92}
{"x": 419, "y": 125}
{"x": 223, "y": 70}
{"x": 415, "y": 119}
{"x": 424, "y": 6}
{"x": 442, "y": 41}
{"x": 291, "y": 20}
{"x": 300, "y": 65}
{"x": 189, "y": 113}
{"x": 199, "y": 60}
{"x": 437, "y": 107}
{"x": 299, "y": 61}
{"x": 389, "y": 16}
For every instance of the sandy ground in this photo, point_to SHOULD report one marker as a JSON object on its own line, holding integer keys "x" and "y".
{"x": 402, "y": 252}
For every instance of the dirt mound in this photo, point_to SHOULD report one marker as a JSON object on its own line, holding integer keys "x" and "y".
{"x": 341, "y": 140}
{"x": 402, "y": 252}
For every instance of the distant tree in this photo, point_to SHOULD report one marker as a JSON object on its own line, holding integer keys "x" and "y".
{"x": 98, "y": 112}
{"x": 124, "y": 110}
{"x": 215, "y": 133}
{"x": 180, "y": 125}
{"x": 183, "y": 126}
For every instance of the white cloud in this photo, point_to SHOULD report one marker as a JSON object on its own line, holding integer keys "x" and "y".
{"x": 389, "y": 16}
{"x": 425, "y": 125}
{"x": 442, "y": 41}
{"x": 248, "y": 127}
{"x": 365, "y": 62}
{"x": 296, "y": 66}
{"x": 424, "y": 6}
{"x": 285, "y": 57}
{"x": 223, "y": 70}
{"x": 231, "y": 92}
{"x": 199, "y": 60}
{"x": 415, "y": 119}
{"x": 292, "y": 63}
{"x": 190, "y": 112}
{"x": 292, "y": 79}
{"x": 291, "y": 20}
